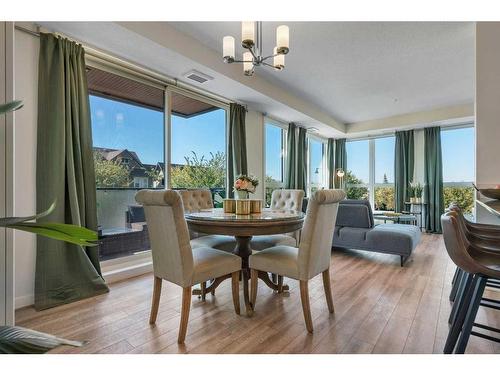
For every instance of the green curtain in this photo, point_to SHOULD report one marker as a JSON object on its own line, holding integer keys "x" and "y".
{"x": 291, "y": 157}
{"x": 330, "y": 162}
{"x": 301, "y": 182}
{"x": 237, "y": 145}
{"x": 433, "y": 188}
{"x": 65, "y": 174}
{"x": 340, "y": 162}
{"x": 403, "y": 167}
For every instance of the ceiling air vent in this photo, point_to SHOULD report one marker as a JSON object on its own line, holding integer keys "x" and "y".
{"x": 197, "y": 76}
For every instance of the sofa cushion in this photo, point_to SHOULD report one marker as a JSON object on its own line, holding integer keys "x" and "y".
{"x": 394, "y": 238}
{"x": 350, "y": 237}
{"x": 354, "y": 215}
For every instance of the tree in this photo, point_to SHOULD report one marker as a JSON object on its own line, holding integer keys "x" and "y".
{"x": 463, "y": 196}
{"x": 271, "y": 184}
{"x": 156, "y": 176}
{"x": 110, "y": 173}
{"x": 386, "y": 181}
{"x": 200, "y": 172}
{"x": 355, "y": 192}
{"x": 384, "y": 198}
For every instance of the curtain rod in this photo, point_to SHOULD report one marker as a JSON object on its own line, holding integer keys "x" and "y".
{"x": 158, "y": 76}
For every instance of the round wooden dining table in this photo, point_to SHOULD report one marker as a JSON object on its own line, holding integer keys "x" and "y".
{"x": 243, "y": 228}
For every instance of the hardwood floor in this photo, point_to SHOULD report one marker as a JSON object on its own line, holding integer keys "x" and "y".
{"x": 379, "y": 308}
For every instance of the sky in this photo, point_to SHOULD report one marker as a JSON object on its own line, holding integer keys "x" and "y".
{"x": 125, "y": 126}
{"x": 119, "y": 125}
{"x": 458, "y": 166}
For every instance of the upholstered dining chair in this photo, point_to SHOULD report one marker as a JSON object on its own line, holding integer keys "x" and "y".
{"x": 311, "y": 258}
{"x": 175, "y": 260}
{"x": 282, "y": 199}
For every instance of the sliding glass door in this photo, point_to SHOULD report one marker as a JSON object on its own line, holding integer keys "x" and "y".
{"x": 148, "y": 137}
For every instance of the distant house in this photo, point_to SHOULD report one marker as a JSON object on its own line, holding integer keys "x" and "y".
{"x": 139, "y": 172}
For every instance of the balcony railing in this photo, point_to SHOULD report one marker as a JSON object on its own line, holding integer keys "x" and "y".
{"x": 122, "y": 225}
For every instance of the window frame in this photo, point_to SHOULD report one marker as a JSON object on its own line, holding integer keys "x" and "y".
{"x": 284, "y": 132}
{"x": 323, "y": 183}
{"x": 371, "y": 185}
{"x": 133, "y": 265}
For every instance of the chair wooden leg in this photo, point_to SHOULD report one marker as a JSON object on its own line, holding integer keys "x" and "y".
{"x": 328, "y": 290}
{"x": 235, "y": 284}
{"x": 254, "y": 284}
{"x": 203, "y": 291}
{"x": 304, "y": 297}
{"x": 186, "y": 306}
{"x": 156, "y": 300}
{"x": 280, "y": 284}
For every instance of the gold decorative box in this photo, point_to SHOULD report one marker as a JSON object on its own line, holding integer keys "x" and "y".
{"x": 243, "y": 207}
{"x": 256, "y": 206}
{"x": 229, "y": 206}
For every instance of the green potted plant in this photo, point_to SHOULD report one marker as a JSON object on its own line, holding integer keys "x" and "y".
{"x": 13, "y": 339}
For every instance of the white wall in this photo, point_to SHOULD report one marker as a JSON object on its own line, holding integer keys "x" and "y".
{"x": 26, "y": 78}
{"x": 487, "y": 103}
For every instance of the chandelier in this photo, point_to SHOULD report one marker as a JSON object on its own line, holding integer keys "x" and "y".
{"x": 251, "y": 40}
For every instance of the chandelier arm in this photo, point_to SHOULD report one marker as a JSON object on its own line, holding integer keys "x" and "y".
{"x": 253, "y": 53}
{"x": 242, "y": 61}
{"x": 270, "y": 56}
{"x": 267, "y": 64}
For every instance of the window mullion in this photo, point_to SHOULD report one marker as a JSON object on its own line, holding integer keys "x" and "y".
{"x": 371, "y": 177}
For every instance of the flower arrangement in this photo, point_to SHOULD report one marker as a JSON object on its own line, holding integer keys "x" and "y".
{"x": 245, "y": 184}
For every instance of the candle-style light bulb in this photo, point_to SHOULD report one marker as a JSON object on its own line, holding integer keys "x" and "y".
{"x": 247, "y": 34}
{"x": 228, "y": 49}
{"x": 283, "y": 39}
{"x": 279, "y": 60}
{"x": 248, "y": 63}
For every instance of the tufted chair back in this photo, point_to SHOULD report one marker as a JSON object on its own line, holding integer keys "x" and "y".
{"x": 287, "y": 199}
{"x": 169, "y": 236}
{"x": 317, "y": 233}
{"x": 196, "y": 199}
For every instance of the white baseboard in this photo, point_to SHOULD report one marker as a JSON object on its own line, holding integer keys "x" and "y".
{"x": 125, "y": 271}
{"x": 23, "y": 301}
{"x": 128, "y": 272}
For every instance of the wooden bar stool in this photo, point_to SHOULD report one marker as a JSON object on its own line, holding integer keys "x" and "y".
{"x": 480, "y": 265}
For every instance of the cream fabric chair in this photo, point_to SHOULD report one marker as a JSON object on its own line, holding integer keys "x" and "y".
{"x": 283, "y": 199}
{"x": 201, "y": 199}
{"x": 311, "y": 258}
{"x": 173, "y": 258}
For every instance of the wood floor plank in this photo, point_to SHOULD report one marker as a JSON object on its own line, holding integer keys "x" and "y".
{"x": 380, "y": 307}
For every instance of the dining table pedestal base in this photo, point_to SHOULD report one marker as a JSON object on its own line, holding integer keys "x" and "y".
{"x": 243, "y": 250}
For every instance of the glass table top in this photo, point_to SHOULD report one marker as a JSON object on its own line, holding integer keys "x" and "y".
{"x": 218, "y": 214}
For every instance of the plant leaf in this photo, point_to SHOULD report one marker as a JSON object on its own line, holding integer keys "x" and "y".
{"x": 6, "y": 221}
{"x": 63, "y": 232}
{"x": 19, "y": 340}
{"x": 11, "y": 106}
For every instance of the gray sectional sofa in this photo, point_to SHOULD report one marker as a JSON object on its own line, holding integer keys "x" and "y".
{"x": 355, "y": 229}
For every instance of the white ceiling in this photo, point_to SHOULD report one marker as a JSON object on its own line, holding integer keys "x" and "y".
{"x": 336, "y": 72}
{"x": 358, "y": 71}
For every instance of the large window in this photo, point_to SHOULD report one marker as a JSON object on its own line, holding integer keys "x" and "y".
{"x": 198, "y": 146}
{"x": 458, "y": 166}
{"x": 275, "y": 144}
{"x": 357, "y": 176}
{"x": 129, "y": 148}
{"x": 370, "y": 171}
{"x": 129, "y": 137}
{"x": 316, "y": 165}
